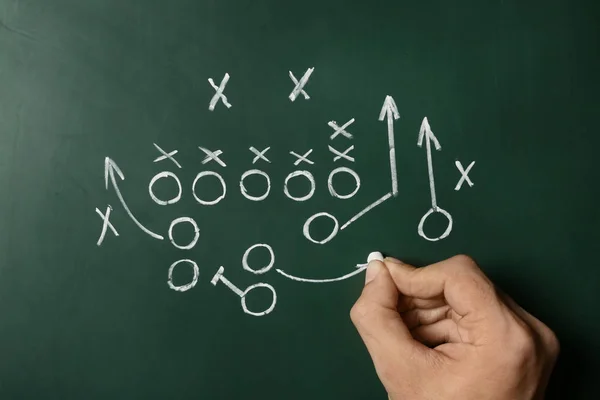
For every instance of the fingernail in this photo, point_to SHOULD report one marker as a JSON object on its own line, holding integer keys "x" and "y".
{"x": 393, "y": 260}
{"x": 373, "y": 269}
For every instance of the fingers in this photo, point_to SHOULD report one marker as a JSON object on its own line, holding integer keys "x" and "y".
{"x": 416, "y": 317}
{"x": 461, "y": 283}
{"x": 377, "y": 320}
{"x": 444, "y": 331}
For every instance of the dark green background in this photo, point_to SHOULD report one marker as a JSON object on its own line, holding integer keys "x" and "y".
{"x": 511, "y": 84}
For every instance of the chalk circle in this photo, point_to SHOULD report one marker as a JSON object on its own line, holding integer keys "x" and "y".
{"x": 160, "y": 175}
{"x": 427, "y": 214}
{"x": 348, "y": 171}
{"x": 183, "y": 288}
{"x": 263, "y": 269}
{"x": 308, "y": 176}
{"x": 268, "y": 310}
{"x": 243, "y": 188}
{"x": 306, "y": 229}
{"x": 223, "y": 185}
{"x": 196, "y": 232}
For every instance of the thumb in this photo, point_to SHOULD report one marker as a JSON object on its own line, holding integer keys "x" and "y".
{"x": 379, "y": 324}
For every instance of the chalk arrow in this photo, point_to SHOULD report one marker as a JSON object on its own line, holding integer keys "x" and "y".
{"x": 426, "y": 133}
{"x": 390, "y": 111}
{"x": 110, "y": 167}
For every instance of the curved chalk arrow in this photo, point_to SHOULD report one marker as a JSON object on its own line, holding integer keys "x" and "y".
{"x": 110, "y": 167}
{"x": 359, "y": 268}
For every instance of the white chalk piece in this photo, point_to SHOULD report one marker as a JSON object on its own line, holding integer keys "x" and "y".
{"x": 375, "y": 256}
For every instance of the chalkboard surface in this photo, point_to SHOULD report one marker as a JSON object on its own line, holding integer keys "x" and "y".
{"x": 204, "y": 135}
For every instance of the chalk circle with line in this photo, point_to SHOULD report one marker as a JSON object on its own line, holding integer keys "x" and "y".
{"x": 243, "y": 187}
{"x": 263, "y": 269}
{"x": 223, "y": 185}
{"x": 196, "y": 232}
{"x": 308, "y": 176}
{"x": 160, "y": 175}
{"x": 427, "y": 214}
{"x": 268, "y": 310}
{"x": 183, "y": 288}
{"x": 306, "y": 229}
{"x": 332, "y": 190}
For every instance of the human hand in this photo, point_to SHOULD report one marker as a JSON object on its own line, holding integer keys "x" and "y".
{"x": 445, "y": 332}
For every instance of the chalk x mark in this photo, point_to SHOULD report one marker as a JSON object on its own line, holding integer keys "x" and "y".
{"x": 219, "y": 93}
{"x": 464, "y": 175}
{"x": 344, "y": 154}
{"x": 260, "y": 155}
{"x": 366, "y": 210}
{"x": 303, "y": 158}
{"x": 340, "y": 130}
{"x": 390, "y": 111}
{"x": 105, "y": 224}
{"x": 110, "y": 167}
{"x": 212, "y": 156}
{"x": 166, "y": 155}
{"x": 299, "y": 88}
{"x": 426, "y": 134}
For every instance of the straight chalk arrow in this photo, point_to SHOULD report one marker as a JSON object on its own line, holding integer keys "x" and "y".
{"x": 389, "y": 111}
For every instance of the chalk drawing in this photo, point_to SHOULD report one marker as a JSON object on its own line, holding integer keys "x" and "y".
{"x": 242, "y": 294}
{"x": 359, "y": 268}
{"x": 332, "y": 190}
{"x": 426, "y": 133}
{"x": 183, "y": 288}
{"x": 366, "y": 210}
{"x": 343, "y": 155}
{"x": 464, "y": 175}
{"x": 212, "y": 155}
{"x": 303, "y": 158}
{"x": 178, "y": 221}
{"x": 160, "y": 175}
{"x": 389, "y": 111}
{"x": 211, "y": 202}
{"x": 263, "y": 269}
{"x": 299, "y": 88}
{"x": 308, "y": 176}
{"x": 166, "y": 155}
{"x": 243, "y": 187}
{"x": 340, "y": 130}
{"x": 219, "y": 93}
{"x": 334, "y": 231}
{"x": 260, "y": 155}
{"x": 105, "y": 224}
{"x": 110, "y": 167}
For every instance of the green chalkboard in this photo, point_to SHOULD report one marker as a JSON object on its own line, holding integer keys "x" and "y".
{"x": 104, "y": 108}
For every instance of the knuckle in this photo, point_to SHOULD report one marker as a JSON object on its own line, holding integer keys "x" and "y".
{"x": 552, "y": 343}
{"x": 523, "y": 341}
{"x": 359, "y": 311}
{"x": 464, "y": 262}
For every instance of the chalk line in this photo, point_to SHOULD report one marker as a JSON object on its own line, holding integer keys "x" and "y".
{"x": 219, "y": 93}
{"x": 464, "y": 175}
{"x": 109, "y": 172}
{"x": 359, "y": 268}
{"x": 105, "y": 224}
{"x": 366, "y": 210}
{"x": 299, "y": 88}
{"x": 390, "y": 110}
